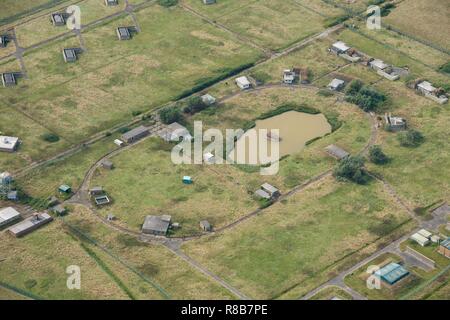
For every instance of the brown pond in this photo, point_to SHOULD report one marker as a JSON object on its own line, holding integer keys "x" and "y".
{"x": 295, "y": 129}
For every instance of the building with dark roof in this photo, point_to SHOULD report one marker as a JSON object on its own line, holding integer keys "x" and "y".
{"x": 444, "y": 247}
{"x": 205, "y": 226}
{"x": 8, "y": 79}
{"x": 58, "y": 19}
{"x": 135, "y": 134}
{"x": 111, "y": 2}
{"x": 69, "y": 55}
{"x": 123, "y": 33}
{"x": 156, "y": 225}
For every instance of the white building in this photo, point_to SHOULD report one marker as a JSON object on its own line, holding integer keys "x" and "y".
{"x": 208, "y": 99}
{"x": 378, "y": 64}
{"x": 339, "y": 47}
{"x": 8, "y": 215}
{"x": 420, "y": 239}
{"x": 8, "y": 144}
{"x": 289, "y": 76}
{"x": 243, "y": 83}
{"x": 336, "y": 84}
{"x": 118, "y": 142}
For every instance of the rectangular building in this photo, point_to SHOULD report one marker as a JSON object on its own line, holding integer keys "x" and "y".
{"x": 8, "y": 215}
{"x": 8, "y": 144}
{"x": 135, "y": 134}
{"x": 30, "y": 224}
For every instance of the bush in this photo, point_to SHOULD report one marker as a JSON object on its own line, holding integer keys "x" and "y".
{"x": 170, "y": 114}
{"x": 331, "y": 22}
{"x": 194, "y": 105}
{"x": 377, "y": 156}
{"x": 123, "y": 130}
{"x": 50, "y": 137}
{"x": 261, "y": 77}
{"x": 445, "y": 68}
{"x": 367, "y": 98}
{"x": 167, "y": 3}
{"x": 136, "y": 113}
{"x": 411, "y": 138}
{"x": 351, "y": 169}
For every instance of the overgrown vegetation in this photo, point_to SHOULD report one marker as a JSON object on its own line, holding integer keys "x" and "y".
{"x": 194, "y": 104}
{"x": 170, "y": 115}
{"x": 50, "y": 137}
{"x": 366, "y": 97}
{"x": 410, "y": 138}
{"x": 445, "y": 68}
{"x": 331, "y": 22}
{"x": 377, "y": 156}
{"x": 351, "y": 169}
{"x": 167, "y": 3}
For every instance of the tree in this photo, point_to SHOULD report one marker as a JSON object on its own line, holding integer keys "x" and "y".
{"x": 195, "y": 104}
{"x": 352, "y": 169}
{"x": 367, "y": 98}
{"x": 167, "y": 3}
{"x": 377, "y": 156}
{"x": 411, "y": 138}
{"x": 354, "y": 87}
{"x": 170, "y": 115}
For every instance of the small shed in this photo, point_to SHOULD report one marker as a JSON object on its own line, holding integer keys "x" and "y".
{"x": 209, "y": 1}
{"x": 395, "y": 123}
{"x": 110, "y": 217}
{"x": 5, "y": 178}
{"x": 13, "y": 195}
{"x": 69, "y": 55}
{"x": 64, "y": 188}
{"x": 336, "y": 84}
{"x": 187, "y": 180}
{"x": 107, "y": 164}
{"x": 337, "y": 152}
{"x": 123, "y": 33}
{"x": 289, "y": 76}
{"x": 118, "y": 142}
{"x": 208, "y": 99}
{"x": 59, "y": 210}
{"x": 155, "y": 225}
{"x": 8, "y": 215}
{"x": 94, "y": 191}
{"x": 111, "y": 3}
{"x": 392, "y": 273}
{"x": 205, "y": 226}
{"x": 243, "y": 83}
{"x": 8, "y": 144}
{"x": 9, "y": 79}
{"x": 378, "y": 64}
{"x": 58, "y": 19}
{"x": 271, "y": 190}
{"x": 425, "y": 233}
{"x": 3, "y": 41}
{"x": 262, "y": 194}
{"x": 339, "y": 47}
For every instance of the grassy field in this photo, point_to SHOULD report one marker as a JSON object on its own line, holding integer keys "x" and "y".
{"x": 271, "y": 23}
{"x": 40, "y": 28}
{"x": 424, "y": 180}
{"x": 145, "y": 181}
{"x": 425, "y": 19}
{"x": 117, "y": 78}
{"x": 300, "y": 240}
{"x": 44, "y": 181}
{"x": 154, "y": 263}
{"x": 6, "y": 294}
{"x": 36, "y": 265}
{"x": 153, "y": 183}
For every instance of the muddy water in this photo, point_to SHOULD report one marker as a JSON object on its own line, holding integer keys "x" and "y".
{"x": 295, "y": 129}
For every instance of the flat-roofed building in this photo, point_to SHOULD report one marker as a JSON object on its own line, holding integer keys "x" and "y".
{"x": 123, "y": 33}
{"x": 110, "y": 3}
{"x": 58, "y": 19}
{"x": 243, "y": 83}
{"x": 336, "y": 84}
{"x": 135, "y": 134}
{"x": 392, "y": 273}
{"x": 444, "y": 247}
{"x": 30, "y": 224}
{"x": 8, "y": 144}
{"x": 339, "y": 47}
{"x": 420, "y": 239}
{"x": 8, "y": 215}
{"x": 69, "y": 55}
{"x": 395, "y": 123}
{"x": 209, "y": 1}
{"x": 156, "y": 225}
{"x": 271, "y": 190}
